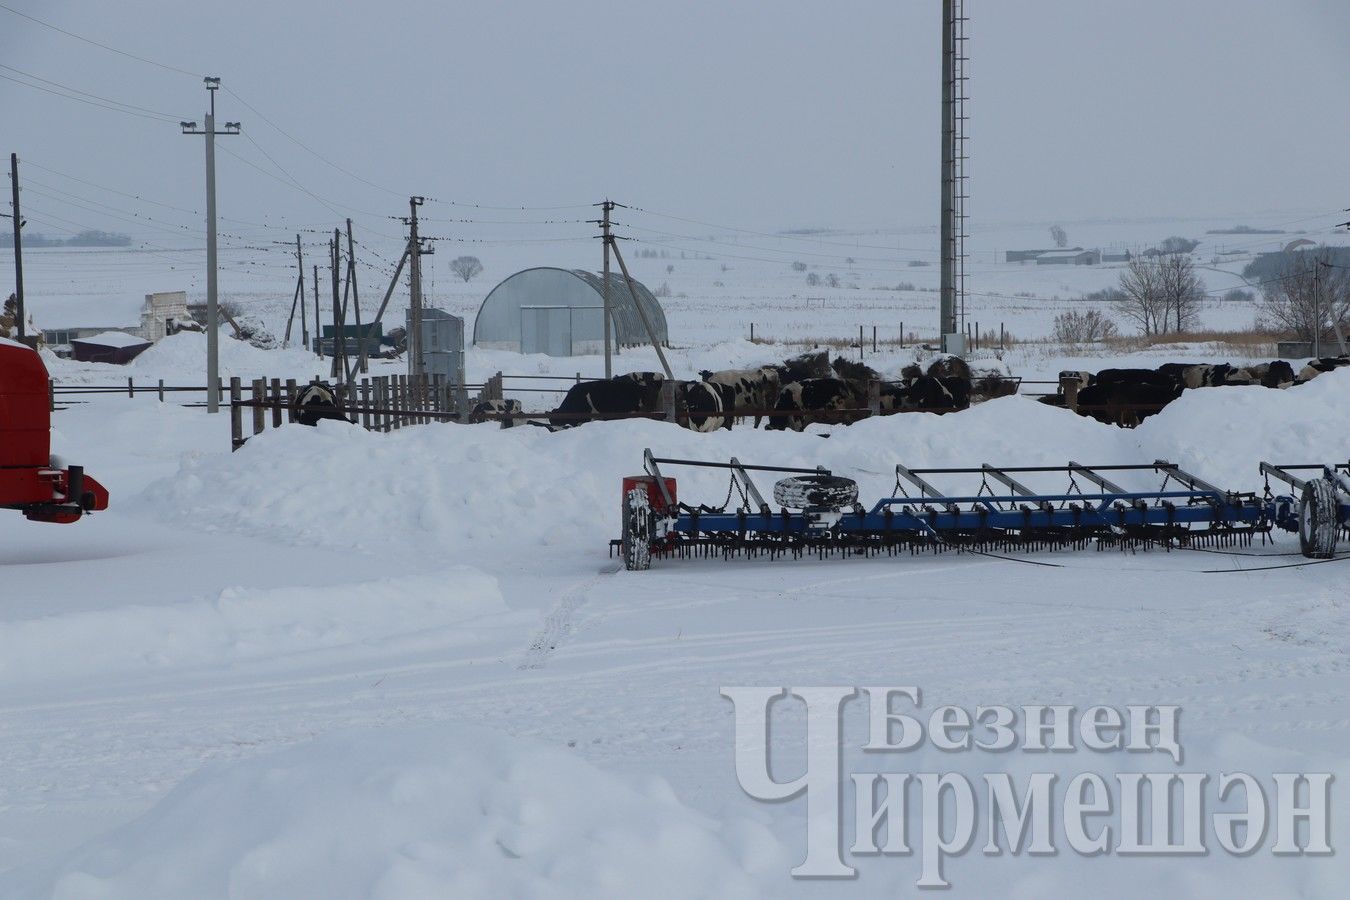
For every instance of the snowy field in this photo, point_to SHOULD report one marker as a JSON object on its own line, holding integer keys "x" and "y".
{"x": 345, "y": 664}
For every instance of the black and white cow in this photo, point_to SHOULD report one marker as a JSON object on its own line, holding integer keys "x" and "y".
{"x": 815, "y": 364}
{"x": 755, "y": 389}
{"x": 316, "y": 400}
{"x": 634, "y": 392}
{"x": 501, "y": 410}
{"x": 699, "y": 405}
{"x": 801, "y": 403}
{"x": 1318, "y": 366}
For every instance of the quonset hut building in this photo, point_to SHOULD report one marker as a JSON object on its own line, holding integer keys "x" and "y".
{"x": 559, "y": 312}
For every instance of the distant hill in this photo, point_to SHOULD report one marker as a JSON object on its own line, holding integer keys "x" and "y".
{"x": 83, "y": 239}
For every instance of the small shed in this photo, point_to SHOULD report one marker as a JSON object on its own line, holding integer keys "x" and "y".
{"x": 163, "y": 314}
{"x": 559, "y": 312}
{"x": 116, "y": 347}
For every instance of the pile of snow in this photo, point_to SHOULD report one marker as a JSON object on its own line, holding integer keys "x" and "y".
{"x": 439, "y": 811}
{"x": 247, "y": 624}
{"x": 252, "y": 330}
{"x": 450, "y": 488}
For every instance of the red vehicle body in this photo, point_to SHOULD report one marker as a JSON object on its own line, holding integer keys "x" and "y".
{"x": 28, "y": 480}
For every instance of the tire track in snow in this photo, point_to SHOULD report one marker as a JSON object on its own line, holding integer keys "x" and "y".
{"x": 558, "y": 623}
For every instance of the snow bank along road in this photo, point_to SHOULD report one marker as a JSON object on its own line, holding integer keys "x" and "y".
{"x": 346, "y": 664}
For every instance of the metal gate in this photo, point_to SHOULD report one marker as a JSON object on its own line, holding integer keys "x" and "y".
{"x": 442, "y": 344}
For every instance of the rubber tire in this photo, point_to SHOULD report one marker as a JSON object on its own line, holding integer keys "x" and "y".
{"x": 637, "y": 530}
{"x": 816, "y": 492}
{"x": 1318, "y": 520}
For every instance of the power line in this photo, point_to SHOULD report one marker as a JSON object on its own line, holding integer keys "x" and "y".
{"x": 80, "y": 37}
{"x": 156, "y": 117}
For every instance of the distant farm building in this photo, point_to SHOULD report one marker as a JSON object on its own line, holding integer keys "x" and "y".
{"x": 560, "y": 312}
{"x": 1116, "y": 256}
{"x": 116, "y": 347}
{"x": 1074, "y": 257}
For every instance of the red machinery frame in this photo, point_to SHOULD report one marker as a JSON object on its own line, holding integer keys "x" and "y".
{"x": 29, "y": 481}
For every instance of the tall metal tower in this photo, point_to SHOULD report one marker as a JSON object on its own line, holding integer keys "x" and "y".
{"x": 953, "y": 286}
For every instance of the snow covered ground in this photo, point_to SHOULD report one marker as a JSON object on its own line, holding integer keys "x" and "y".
{"x": 404, "y": 665}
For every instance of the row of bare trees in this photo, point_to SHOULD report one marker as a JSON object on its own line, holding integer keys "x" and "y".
{"x": 1160, "y": 294}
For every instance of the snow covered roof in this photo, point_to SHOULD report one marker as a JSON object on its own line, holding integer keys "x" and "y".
{"x": 6, "y": 342}
{"x": 112, "y": 339}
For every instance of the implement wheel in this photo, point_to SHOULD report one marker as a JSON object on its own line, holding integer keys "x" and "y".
{"x": 1317, "y": 519}
{"x": 638, "y": 527}
{"x": 816, "y": 492}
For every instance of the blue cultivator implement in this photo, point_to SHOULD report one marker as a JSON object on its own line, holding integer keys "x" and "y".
{"x": 818, "y": 512}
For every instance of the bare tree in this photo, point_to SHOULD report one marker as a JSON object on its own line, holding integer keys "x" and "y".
{"x": 1161, "y": 294}
{"x": 812, "y": 279}
{"x": 9, "y": 317}
{"x": 1183, "y": 293}
{"x": 466, "y": 267}
{"x": 1058, "y": 235}
{"x": 1086, "y": 327}
{"x": 832, "y": 280}
{"x": 1141, "y": 301}
{"x": 1176, "y": 244}
{"x": 1309, "y": 290}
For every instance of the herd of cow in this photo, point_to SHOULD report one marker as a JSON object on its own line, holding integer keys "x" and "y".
{"x": 1127, "y": 396}
{"x": 805, "y": 389}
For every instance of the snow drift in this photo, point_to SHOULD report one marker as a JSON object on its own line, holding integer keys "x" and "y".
{"x": 433, "y": 811}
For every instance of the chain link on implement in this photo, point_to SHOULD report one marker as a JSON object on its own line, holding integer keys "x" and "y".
{"x": 1002, "y": 516}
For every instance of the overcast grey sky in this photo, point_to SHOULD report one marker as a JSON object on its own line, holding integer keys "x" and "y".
{"x": 768, "y": 114}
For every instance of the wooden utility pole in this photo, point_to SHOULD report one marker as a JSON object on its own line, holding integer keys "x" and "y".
{"x": 606, "y": 207}
{"x": 339, "y": 368}
{"x": 18, "y": 244}
{"x": 297, "y": 297}
{"x": 300, "y": 268}
{"x": 415, "y": 362}
{"x": 318, "y": 329}
{"x": 361, "y": 363}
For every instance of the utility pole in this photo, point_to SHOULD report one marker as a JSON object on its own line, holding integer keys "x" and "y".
{"x": 606, "y": 207}
{"x": 951, "y": 292}
{"x": 18, "y": 243}
{"x": 361, "y": 364}
{"x": 297, "y": 298}
{"x": 642, "y": 313}
{"x": 339, "y": 369}
{"x": 300, "y": 268}
{"x": 212, "y": 301}
{"x": 415, "y": 364}
{"x": 318, "y": 329}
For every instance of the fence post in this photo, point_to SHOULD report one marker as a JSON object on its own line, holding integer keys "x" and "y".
{"x": 752, "y": 332}
{"x": 874, "y": 339}
{"x": 259, "y": 414}
{"x": 668, "y": 400}
{"x": 161, "y": 390}
{"x": 365, "y": 403}
{"x": 51, "y": 395}
{"x": 1070, "y": 385}
{"x": 874, "y": 398}
{"x": 131, "y": 387}
{"x": 276, "y": 399}
{"x": 902, "y": 335}
{"x": 290, "y": 400}
{"x": 236, "y": 416}
{"x": 860, "y": 342}
{"x": 1000, "y": 336}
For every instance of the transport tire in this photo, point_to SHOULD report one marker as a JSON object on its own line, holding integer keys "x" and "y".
{"x": 1318, "y": 519}
{"x": 816, "y": 492}
{"x": 637, "y": 530}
